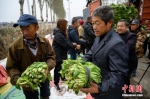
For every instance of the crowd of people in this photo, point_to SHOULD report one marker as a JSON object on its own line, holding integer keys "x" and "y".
{"x": 116, "y": 53}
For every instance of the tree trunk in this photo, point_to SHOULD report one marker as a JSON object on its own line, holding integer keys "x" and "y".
{"x": 46, "y": 12}
{"x": 34, "y": 8}
{"x": 21, "y": 6}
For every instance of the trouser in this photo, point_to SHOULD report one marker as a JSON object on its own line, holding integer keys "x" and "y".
{"x": 57, "y": 75}
{"x": 88, "y": 47}
{"x": 73, "y": 56}
{"x": 44, "y": 92}
{"x": 134, "y": 71}
{"x": 145, "y": 45}
{"x": 82, "y": 49}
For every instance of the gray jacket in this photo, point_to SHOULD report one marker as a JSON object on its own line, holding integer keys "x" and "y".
{"x": 111, "y": 56}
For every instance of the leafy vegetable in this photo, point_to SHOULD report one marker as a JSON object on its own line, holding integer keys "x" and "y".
{"x": 33, "y": 76}
{"x": 80, "y": 73}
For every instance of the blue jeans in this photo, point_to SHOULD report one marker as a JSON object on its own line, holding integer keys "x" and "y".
{"x": 73, "y": 56}
{"x": 44, "y": 91}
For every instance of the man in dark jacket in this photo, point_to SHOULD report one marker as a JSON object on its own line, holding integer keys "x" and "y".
{"x": 73, "y": 37}
{"x": 110, "y": 53}
{"x": 130, "y": 39}
{"x": 89, "y": 35}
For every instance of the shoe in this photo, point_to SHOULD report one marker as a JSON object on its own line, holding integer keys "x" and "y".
{"x": 57, "y": 87}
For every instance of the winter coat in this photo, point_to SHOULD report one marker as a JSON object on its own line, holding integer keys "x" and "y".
{"x": 130, "y": 39}
{"x": 88, "y": 32}
{"x": 61, "y": 45}
{"x": 19, "y": 57}
{"x": 141, "y": 37}
{"x": 111, "y": 56}
{"x": 73, "y": 37}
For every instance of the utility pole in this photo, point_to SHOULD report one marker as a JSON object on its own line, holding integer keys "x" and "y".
{"x": 28, "y": 6}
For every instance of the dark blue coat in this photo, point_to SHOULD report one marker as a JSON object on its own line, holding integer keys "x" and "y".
{"x": 111, "y": 56}
{"x": 73, "y": 37}
{"x": 61, "y": 45}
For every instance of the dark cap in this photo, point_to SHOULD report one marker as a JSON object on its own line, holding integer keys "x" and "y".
{"x": 25, "y": 20}
{"x": 135, "y": 22}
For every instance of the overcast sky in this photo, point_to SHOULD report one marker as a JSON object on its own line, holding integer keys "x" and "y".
{"x": 10, "y": 9}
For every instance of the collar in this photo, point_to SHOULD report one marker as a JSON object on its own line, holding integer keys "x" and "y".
{"x": 21, "y": 42}
{"x": 30, "y": 44}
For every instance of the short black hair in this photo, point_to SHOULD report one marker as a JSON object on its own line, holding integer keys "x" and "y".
{"x": 125, "y": 22}
{"x": 89, "y": 18}
{"x": 74, "y": 20}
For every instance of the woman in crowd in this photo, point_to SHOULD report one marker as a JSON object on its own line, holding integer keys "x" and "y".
{"x": 61, "y": 46}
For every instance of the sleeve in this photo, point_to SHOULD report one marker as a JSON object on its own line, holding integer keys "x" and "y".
{"x": 75, "y": 37}
{"x": 12, "y": 66}
{"x": 50, "y": 56}
{"x": 118, "y": 64}
{"x": 64, "y": 42}
{"x": 132, "y": 42}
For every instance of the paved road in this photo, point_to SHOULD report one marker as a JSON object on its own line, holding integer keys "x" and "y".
{"x": 145, "y": 82}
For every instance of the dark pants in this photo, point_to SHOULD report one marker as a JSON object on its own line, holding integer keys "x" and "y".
{"x": 82, "y": 49}
{"x": 44, "y": 91}
{"x": 88, "y": 47}
{"x": 134, "y": 71}
{"x": 145, "y": 45}
{"x": 57, "y": 75}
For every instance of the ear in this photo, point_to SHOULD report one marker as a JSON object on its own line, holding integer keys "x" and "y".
{"x": 37, "y": 27}
{"x": 110, "y": 23}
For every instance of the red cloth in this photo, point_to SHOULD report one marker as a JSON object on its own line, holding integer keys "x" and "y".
{"x": 3, "y": 76}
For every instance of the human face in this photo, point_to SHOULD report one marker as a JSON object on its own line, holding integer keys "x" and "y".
{"x": 76, "y": 24}
{"x": 134, "y": 27}
{"x": 99, "y": 26}
{"x": 29, "y": 31}
{"x": 121, "y": 27}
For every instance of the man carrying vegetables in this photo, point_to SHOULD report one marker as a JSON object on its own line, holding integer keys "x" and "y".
{"x": 28, "y": 49}
{"x": 110, "y": 54}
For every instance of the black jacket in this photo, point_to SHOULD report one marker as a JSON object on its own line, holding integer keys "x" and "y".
{"x": 130, "y": 39}
{"x": 111, "y": 56}
{"x": 88, "y": 32}
{"x": 61, "y": 45}
{"x": 73, "y": 37}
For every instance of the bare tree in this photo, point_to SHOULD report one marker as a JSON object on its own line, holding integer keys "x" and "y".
{"x": 47, "y": 3}
{"x": 34, "y": 8}
{"x": 41, "y": 3}
{"x": 21, "y": 6}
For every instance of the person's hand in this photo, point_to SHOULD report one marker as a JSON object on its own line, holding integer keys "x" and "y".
{"x": 78, "y": 46}
{"x": 92, "y": 89}
{"x": 75, "y": 44}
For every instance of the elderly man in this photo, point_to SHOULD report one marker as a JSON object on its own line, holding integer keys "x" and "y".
{"x": 29, "y": 48}
{"x": 110, "y": 53}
